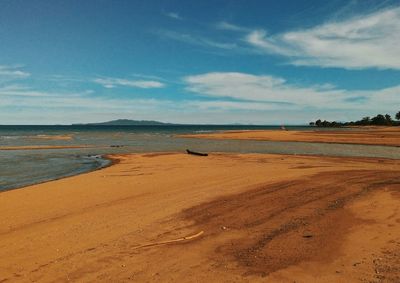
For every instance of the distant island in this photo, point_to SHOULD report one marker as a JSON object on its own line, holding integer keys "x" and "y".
{"x": 127, "y": 122}
{"x": 378, "y": 120}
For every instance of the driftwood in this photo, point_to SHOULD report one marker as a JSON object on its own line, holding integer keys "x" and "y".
{"x": 183, "y": 239}
{"x": 196, "y": 153}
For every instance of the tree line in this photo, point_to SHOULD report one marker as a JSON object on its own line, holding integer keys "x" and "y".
{"x": 378, "y": 120}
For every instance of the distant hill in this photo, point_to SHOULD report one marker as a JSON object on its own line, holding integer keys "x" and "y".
{"x": 127, "y": 122}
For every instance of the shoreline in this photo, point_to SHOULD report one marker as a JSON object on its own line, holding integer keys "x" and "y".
{"x": 112, "y": 160}
{"x": 258, "y": 135}
{"x": 88, "y": 227}
{"x": 371, "y": 136}
{"x": 194, "y": 136}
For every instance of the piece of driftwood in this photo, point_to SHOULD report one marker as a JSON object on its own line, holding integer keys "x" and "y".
{"x": 196, "y": 153}
{"x": 183, "y": 239}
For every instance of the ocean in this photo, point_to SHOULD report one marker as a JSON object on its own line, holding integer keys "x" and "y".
{"x": 20, "y": 168}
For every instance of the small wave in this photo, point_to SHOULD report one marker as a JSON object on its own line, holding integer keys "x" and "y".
{"x": 11, "y": 137}
{"x": 42, "y": 137}
{"x": 52, "y": 137}
{"x": 205, "y": 131}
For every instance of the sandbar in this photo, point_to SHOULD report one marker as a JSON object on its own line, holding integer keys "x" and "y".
{"x": 389, "y": 136}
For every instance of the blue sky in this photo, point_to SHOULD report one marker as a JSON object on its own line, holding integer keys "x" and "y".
{"x": 259, "y": 62}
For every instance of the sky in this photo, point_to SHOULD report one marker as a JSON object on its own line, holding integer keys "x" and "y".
{"x": 203, "y": 62}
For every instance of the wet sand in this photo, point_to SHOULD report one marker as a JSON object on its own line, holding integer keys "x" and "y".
{"x": 222, "y": 218}
{"x": 369, "y": 135}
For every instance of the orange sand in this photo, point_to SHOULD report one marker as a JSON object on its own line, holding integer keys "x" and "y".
{"x": 221, "y": 218}
{"x": 371, "y": 135}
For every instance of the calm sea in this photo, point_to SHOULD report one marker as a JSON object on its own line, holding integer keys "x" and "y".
{"x": 24, "y": 167}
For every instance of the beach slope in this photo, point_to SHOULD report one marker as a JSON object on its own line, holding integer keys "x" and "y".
{"x": 221, "y": 218}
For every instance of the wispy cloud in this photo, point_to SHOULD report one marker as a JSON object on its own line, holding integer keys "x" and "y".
{"x": 148, "y": 77}
{"x": 16, "y": 90}
{"x": 228, "y": 97}
{"x": 115, "y": 82}
{"x": 357, "y": 42}
{"x": 231, "y": 27}
{"x": 283, "y": 95}
{"x": 225, "y": 105}
{"x": 22, "y": 105}
{"x": 174, "y": 15}
{"x": 20, "y": 96}
{"x": 364, "y": 41}
{"x": 8, "y": 73}
{"x": 258, "y": 39}
{"x": 196, "y": 40}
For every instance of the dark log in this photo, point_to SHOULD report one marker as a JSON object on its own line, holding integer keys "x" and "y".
{"x": 196, "y": 153}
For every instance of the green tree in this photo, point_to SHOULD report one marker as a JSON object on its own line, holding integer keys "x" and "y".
{"x": 365, "y": 121}
{"x": 378, "y": 120}
{"x": 388, "y": 119}
{"x": 397, "y": 116}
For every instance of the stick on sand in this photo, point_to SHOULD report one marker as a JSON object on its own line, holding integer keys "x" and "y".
{"x": 186, "y": 238}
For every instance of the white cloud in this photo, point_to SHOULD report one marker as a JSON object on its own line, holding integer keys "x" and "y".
{"x": 8, "y": 73}
{"x": 224, "y": 105}
{"x": 367, "y": 41}
{"x": 264, "y": 89}
{"x": 230, "y": 97}
{"x": 196, "y": 40}
{"x": 20, "y": 96}
{"x": 231, "y": 27}
{"x": 174, "y": 16}
{"x": 258, "y": 38}
{"x": 114, "y": 82}
{"x": 233, "y": 97}
{"x": 15, "y": 90}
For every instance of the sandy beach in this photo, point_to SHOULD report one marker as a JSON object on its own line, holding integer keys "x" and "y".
{"x": 364, "y": 135}
{"x": 223, "y": 218}
{"x": 200, "y": 141}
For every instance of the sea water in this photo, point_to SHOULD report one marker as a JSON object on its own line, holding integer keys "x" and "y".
{"x": 25, "y": 167}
